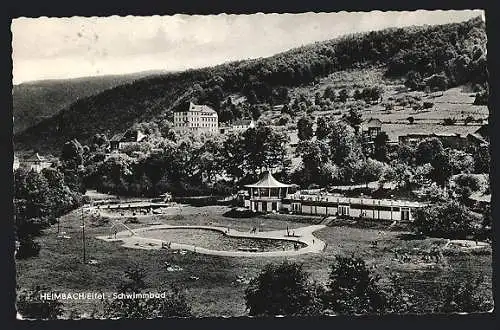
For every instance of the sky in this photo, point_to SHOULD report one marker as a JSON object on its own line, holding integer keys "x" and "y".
{"x": 58, "y": 48}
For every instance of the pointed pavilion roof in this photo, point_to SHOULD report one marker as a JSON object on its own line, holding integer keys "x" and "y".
{"x": 268, "y": 181}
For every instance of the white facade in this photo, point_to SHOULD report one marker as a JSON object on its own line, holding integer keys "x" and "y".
{"x": 34, "y": 164}
{"x": 197, "y": 119}
{"x": 238, "y": 126}
{"x": 367, "y": 208}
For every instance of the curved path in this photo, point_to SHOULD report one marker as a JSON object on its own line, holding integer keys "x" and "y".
{"x": 303, "y": 235}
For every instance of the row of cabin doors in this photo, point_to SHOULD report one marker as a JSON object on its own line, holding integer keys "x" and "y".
{"x": 343, "y": 210}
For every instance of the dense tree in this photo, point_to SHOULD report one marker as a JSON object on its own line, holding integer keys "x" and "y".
{"x": 427, "y": 150}
{"x": 343, "y": 143}
{"x": 173, "y": 304}
{"x": 343, "y": 95}
{"x": 466, "y": 185}
{"x": 437, "y": 82}
{"x": 482, "y": 159}
{"x": 72, "y": 154}
{"x": 321, "y": 128}
{"x": 305, "y": 128}
{"x": 414, "y": 80}
{"x": 283, "y": 289}
{"x": 354, "y": 289}
{"x": 442, "y": 168}
{"x": 460, "y": 161}
{"x": 380, "y": 146}
{"x": 447, "y": 220}
{"x": 31, "y": 306}
{"x": 463, "y": 295}
{"x": 315, "y": 155}
{"x": 354, "y": 119}
{"x": 449, "y": 121}
{"x": 99, "y": 141}
{"x": 72, "y": 157}
{"x": 369, "y": 94}
{"x": 329, "y": 93}
{"x": 39, "y": 198}
{"x": 481, "y": 98}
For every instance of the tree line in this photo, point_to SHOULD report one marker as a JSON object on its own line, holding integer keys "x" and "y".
{"x": 40, "y": 198}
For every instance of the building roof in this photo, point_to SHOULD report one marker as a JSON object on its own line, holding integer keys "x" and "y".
{"x": 129, "y": 136}
{"x": 201, "y": 107}
{"x": 479, "y": 197}
{"x": 372, "y": 122}
{"x": 268, "y": 181}
{"x": 117, "y": 137}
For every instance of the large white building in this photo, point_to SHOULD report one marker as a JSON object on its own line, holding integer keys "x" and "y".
{"x": 197, "y": 119}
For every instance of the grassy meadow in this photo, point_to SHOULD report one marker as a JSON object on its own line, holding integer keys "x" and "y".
{"x": 219, "y": 289}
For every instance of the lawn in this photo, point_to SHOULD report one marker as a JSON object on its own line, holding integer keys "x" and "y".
{"x": 218, "y": 291}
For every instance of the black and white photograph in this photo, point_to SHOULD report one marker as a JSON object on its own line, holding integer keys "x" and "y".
{"x": 314, "y": 164}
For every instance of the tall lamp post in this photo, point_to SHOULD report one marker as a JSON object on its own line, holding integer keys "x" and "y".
{"x": 361, "y": 214}
{"x": 83, "y": 237}
{"x": 392, "y": 201}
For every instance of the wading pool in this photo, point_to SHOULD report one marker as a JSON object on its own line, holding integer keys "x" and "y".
{"x": 215, "y": 240}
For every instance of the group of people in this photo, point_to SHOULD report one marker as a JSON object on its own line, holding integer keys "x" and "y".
{"x": 288, "y": 232}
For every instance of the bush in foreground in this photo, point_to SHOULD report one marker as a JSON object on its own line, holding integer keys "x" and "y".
{"x": 283, "y": 289}
{"x": 174, "y": 303}
{"x": 31, "y": 306}
{"x": 354, "y": 289}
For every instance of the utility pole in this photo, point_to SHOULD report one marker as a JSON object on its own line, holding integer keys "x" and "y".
{"x": 83, "y": 237}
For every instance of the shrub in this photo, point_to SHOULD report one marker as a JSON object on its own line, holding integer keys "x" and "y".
{"x": 481, "y": 98}
{"x": 354, "y": 289}
{"x": 465, "y": 185}
{"x": 428, "y": 105}
{"x": 27, "y": 248}
{"x": 283, "y": 289}
{"x": 445, "y": 220}
{"x": 31, "y": 306}
{"x": 283, "y": 120}
{"x": 449, "y": 121}
{"x": 468, "y": 120}
{"x": 463, "y": 295}
{"x": 174, "y": 303}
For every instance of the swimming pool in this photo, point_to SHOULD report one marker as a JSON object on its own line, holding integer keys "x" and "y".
{"x": 216, "y": 240}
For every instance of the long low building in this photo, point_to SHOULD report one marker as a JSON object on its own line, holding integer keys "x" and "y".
{"x": 367, "y": 208}
{"x": 270, "y": 195}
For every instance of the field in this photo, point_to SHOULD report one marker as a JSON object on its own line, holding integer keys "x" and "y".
{"x": 219, "y": 291}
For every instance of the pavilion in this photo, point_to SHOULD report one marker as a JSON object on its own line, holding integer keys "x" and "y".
{"x": 266, "y": 195}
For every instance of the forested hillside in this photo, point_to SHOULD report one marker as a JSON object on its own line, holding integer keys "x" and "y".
{"x": 427, "y": 57}
{"x": 38, "y": 100}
